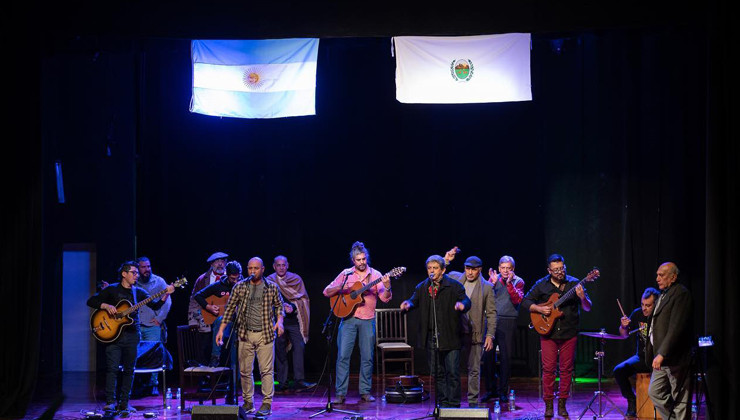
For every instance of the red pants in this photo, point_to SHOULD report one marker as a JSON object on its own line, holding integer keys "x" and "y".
{"x": 550, "y": 365}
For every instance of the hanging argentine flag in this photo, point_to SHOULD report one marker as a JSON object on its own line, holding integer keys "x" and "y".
{"x": 254, "y": 79}
{"x": 464, "y": 69}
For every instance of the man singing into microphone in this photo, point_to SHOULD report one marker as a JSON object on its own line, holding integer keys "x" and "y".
{"x": 442, "y": 301}
{"x": 360, "y": 325}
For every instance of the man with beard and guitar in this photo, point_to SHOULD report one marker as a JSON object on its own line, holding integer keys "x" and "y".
{"x": 359, "y": 325}
{"x": 122, "y": 348}
{"x": 210, "y": 353}
{"x": 554, "y": 303}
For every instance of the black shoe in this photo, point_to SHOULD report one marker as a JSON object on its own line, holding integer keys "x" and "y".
{"x": 631, "y": 408}
{"x": 301, "y": 385}
{"x": 562, "y": 412}
{"x": 155, "y": 391}
{"x": 125, "y": 411}
{"x": 549, "y": 411}
{"x": 489, "y": 396}
{"x": 111, "y": 406}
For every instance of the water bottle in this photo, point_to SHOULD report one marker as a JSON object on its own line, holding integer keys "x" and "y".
{"x": 179, "y": 399}
{"x": 512, "y": 401}
{"x": 496, "y": 407}
{"x": 694, "y": 411}
{"x": 168, "y": 398}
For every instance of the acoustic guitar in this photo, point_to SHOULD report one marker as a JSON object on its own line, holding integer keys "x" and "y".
{"x": 345, "y": 303}
{"x": 106, "y": 328}
{"x": 219, "y": 301}
{"x": 543, "y": 323}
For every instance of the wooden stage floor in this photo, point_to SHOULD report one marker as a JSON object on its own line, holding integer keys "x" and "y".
{"x": 81, "y": 397}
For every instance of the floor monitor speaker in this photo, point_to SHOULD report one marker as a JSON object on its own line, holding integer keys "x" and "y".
{"x": 464, "y": 413}
{"x": 215, "y": 412}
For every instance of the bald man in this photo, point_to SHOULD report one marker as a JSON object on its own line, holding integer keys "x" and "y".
{"x": 260, "y": 316}
{"x": 668, "y": 349}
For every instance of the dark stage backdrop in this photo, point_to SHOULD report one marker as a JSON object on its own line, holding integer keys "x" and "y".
{"x": 606, "y": 166}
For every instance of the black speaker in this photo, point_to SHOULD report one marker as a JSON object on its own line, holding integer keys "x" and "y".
{"x": 464, "y": 413}
{"x": 215, "y": 412}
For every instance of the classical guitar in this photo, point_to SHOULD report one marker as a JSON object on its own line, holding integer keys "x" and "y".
{"x": 107, "y": 328}
{"x": 219, "y": 301}
{"x": 543, "y": 323}
{"x": 345, "y": 303}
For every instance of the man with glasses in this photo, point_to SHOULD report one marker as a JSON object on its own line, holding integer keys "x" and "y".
{"x": 560, "y": 343}
{"x": 122, "y": 351}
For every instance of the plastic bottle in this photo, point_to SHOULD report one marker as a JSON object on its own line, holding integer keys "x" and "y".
{"x": 694, "y": 411}
{"x": 496, "y": 407}
{"x": 179, "y": 399}
{"x": 168, "y": 398}
{"x": 512, "y": 401}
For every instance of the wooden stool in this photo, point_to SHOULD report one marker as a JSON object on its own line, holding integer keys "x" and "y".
{"x": 645, "y": 407}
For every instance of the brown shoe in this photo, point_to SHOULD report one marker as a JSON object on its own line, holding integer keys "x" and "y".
{"x": 549, "y": 412}
{"x": 562, "y": 412}
{"x": 339, "y": 399}
{"x": 367, "y": 398}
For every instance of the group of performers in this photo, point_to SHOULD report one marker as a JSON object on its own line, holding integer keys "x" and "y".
{"x": 462, "y": 315}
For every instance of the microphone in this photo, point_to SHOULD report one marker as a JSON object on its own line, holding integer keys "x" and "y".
{"x": 349, "y": 271}
{"x": 250, "y": 278}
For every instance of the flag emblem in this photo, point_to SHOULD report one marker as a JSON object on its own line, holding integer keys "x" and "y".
{"x": 253, "y": 79}
{"x": 461, "y": 70}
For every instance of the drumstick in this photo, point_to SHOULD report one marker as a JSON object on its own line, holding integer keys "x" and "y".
{"x": 620, "y": 308}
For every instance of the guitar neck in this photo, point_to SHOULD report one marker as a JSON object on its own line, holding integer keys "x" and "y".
{"x": 569, "y": 294}
{"x": 369, "y": 285}
{"x": 145, "y": 301}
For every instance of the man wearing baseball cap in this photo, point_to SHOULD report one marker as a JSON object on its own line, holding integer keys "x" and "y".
{"x": 479, "y": 323}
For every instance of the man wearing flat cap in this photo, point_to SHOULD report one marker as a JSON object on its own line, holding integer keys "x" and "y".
{"x": 478, "y": 324}
{"x": 216, "y": 271}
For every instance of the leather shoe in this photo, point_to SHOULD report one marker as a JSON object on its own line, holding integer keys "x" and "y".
{"x": 247, "y": 408}
{"x": 340, "y": 399}
{"x": 367, "y": 398}
{"x": 489, "y": 396}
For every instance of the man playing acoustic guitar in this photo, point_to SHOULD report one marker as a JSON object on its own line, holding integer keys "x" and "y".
{"x": 360, "y": 324}
{"x": 564, "y": 333}
{"x": 122, "y": 351}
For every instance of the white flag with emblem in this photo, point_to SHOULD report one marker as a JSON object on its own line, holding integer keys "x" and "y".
{"x": 465, "y": 69}
{"x": 270, "y": 78}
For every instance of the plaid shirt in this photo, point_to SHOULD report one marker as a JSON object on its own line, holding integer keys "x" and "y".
{"x": 272, "y": 305}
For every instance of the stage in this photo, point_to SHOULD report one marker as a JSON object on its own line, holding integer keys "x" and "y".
{"x": 81, "y": 397}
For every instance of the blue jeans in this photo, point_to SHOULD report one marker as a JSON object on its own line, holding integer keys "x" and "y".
{"x": 363, "y": 330}
{"x": 446, "y": 374}
{"x": 151, "y": 333}
{"x": 215, "y": 348}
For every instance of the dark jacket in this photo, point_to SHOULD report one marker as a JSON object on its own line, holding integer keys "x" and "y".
{"x": 672, "y": 327}
{"x": 448, "y": 319}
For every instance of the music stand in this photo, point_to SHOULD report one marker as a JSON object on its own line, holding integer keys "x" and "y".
{"x": 601, "y": 395}
{"x": 329, "y": 408}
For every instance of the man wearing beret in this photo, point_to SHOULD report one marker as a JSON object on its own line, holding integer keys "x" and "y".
{"x": 216, "y": 271}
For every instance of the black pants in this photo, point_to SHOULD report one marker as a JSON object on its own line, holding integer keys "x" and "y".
{"x": 498, "y": 382}
{"x": 121, "y": 353}
{"x": 624, "y": 370}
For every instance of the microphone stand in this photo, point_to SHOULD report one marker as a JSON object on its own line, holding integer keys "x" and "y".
{"x": 329, "y": 408}
{"x": 435, "y": 349}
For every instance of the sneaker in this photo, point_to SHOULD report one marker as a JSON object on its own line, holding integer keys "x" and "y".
{"x": 127, "y": 411}
{"x": 247, "y": 408}
{"x": 265, "y": 410}
{"x": 367, "y": 398}
{"x": 339, "y": 399}
{"x": 301, "y": 385}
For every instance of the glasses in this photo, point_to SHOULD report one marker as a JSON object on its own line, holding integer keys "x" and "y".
{"x": 136, "y": 273}
{"x": 557, "y": 270}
